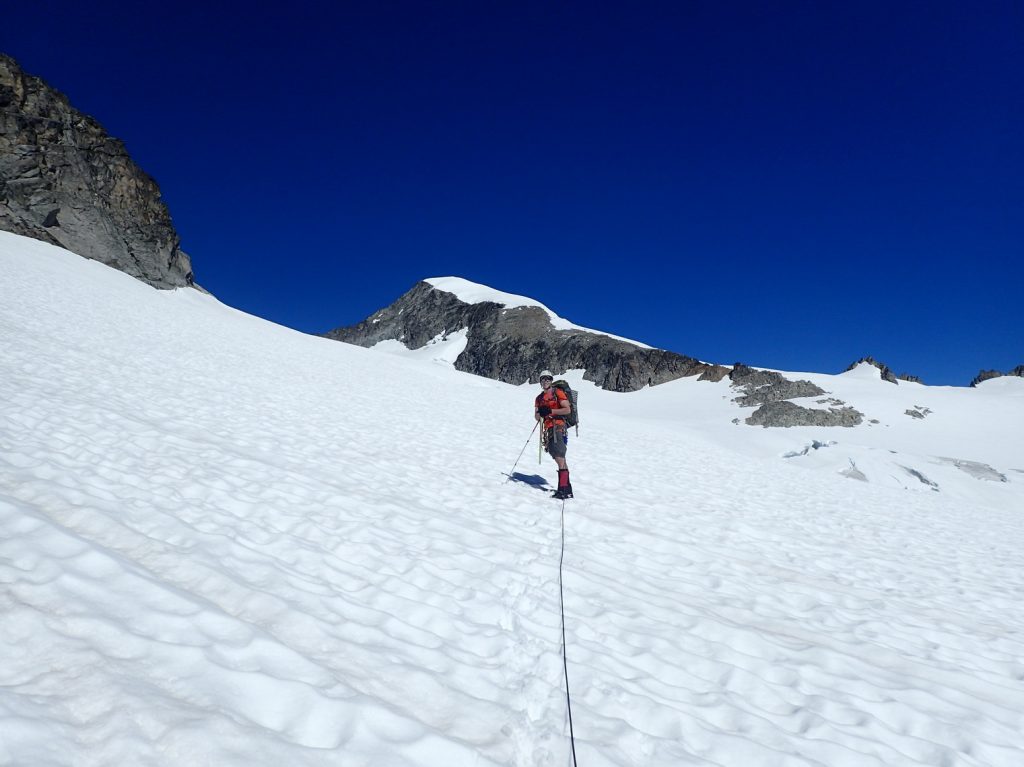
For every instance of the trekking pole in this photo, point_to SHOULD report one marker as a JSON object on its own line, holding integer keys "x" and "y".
{"x": 522, "y": 451}
{"x": 540, "y": 445}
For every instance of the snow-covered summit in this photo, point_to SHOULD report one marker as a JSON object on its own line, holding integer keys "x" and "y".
{"x": 863, "y": 371}
{"x": 512, "y": 338}
{"x": 475, "y": 293}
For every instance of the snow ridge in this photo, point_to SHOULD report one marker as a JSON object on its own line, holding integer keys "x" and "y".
{"x": 474, "y": 293}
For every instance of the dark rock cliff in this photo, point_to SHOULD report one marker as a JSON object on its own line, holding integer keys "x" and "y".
{"x": 514, "y": 344}
{"x": 64, "y": 181}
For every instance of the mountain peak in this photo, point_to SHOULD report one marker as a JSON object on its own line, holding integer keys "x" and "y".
{"x": 471, "y": 292}
{"x": 884, "y": 371}
{"x": 511, "y": 338}
{"x": 476, "y": 293}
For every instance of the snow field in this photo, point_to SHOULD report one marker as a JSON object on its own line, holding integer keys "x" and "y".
{"x": 223, "y": 542}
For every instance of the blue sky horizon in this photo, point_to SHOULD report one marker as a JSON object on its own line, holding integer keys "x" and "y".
{"x": 791, "y": 187}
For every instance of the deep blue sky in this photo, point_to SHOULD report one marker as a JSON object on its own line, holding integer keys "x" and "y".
{"x": 792, "y": 185}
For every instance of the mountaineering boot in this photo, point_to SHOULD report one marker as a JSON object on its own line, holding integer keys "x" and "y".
{"x": 564, "y": 486}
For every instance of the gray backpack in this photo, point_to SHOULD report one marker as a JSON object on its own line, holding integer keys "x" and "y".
{"x": 573, "y": 419}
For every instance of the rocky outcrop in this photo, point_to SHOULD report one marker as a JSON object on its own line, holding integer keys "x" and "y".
{"x": 514, "y": 344}
{"x": 64, "y": 181}
{"x": 762, "y": 386}
{"x": 909, "y": 378}
{"x": 772, "y": 391}
{"x": 887, "y": 374}
{"x": 985, "y": 375}
{"x": 785, "y": 414}
{"x": 714, "y": 373}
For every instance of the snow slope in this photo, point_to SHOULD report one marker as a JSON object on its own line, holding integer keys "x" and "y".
{"x": 223, "y": 542}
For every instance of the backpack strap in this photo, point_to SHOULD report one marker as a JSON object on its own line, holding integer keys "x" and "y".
{"x": 568, "y": 401}
{"x": 541, "y": 398}
{"x": 568, "y": 398}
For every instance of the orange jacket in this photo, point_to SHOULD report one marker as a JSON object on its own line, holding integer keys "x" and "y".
{"x": 555, "y": 399}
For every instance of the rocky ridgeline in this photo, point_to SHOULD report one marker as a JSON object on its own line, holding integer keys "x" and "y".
{"x": 772, "y": 392}
{"x": 64, "y": 181}
{"x": 514, "y": 344}
{"x": 986, "y": 375}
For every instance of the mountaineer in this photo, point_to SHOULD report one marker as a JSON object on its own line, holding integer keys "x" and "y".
{"x": 551, "y": 408}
